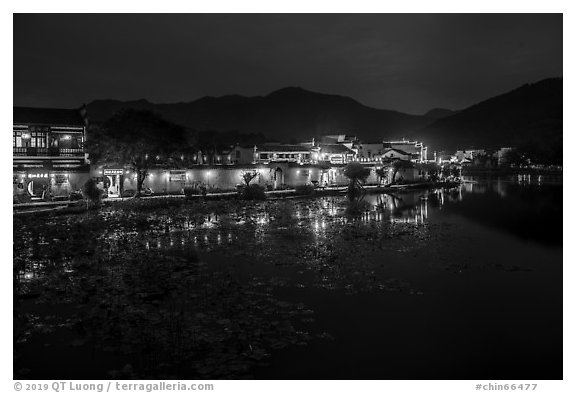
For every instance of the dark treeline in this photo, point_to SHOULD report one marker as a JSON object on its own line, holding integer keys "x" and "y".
{"x": 221, "y": 140}
{"x": 141, "y": 140}
{"x": 128, "y": 126}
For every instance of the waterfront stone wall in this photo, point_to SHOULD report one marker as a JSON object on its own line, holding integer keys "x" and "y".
{"x": 214, "y": 178}
{"x": 229, "y": 177}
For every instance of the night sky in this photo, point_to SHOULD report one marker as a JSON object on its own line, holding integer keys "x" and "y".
{"x": 411, "y": 63}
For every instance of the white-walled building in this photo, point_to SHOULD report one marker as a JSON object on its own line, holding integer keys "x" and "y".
{"x": 277, "y": 152}
{"x": 417, "y": 151}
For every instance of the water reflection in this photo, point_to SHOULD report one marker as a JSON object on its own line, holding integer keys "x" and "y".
{"x": 526, "y": 205}
{"x": 410, "y": 242}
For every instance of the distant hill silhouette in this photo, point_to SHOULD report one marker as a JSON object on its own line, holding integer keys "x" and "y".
{"x": 439, "y": 113}
{"x": 531, "y": 114}
{"x": 286, "y": 115}
{"x": 528, "y": 115}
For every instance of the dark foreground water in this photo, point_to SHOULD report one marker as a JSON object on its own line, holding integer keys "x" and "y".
{"x": 442, "y": 284}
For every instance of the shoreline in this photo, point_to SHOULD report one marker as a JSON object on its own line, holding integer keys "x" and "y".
{"x": 64, "y": 207}
{"x": 471, "y": 171}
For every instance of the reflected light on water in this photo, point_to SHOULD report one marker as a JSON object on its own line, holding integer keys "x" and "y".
{"x": 263, "y": 220}
{"x": 321, "y": 219}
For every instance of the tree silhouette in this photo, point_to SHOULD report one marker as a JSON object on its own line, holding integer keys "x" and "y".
{"x": 248, "y": 176}
{"x": 356, "y": 173}
{"x": 381, "y": 173}
{"x": 138, "y": 140}
{"x": 397, "y": 165}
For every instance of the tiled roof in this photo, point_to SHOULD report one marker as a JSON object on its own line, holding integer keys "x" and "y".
{"x": 335, "y": 149}
{"x": 48, "y": 116}
{"x": 398, "y": 151}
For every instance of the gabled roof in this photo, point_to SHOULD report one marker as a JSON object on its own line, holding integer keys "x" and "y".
{"x": 338, "y": 138}
{"x": 407, "y": 146}
{"x": 398, "y": 151}
{"x": 335, "y": 149}
{"x": 48, "y": 116}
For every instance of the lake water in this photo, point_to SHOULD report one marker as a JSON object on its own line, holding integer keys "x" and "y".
{"x": 490, "y": 272}
{"x": 463, "y": 283}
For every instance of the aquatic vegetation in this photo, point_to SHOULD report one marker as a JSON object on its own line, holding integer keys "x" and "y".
{"x": 357, "y": 207}
{"x": 180, "y": 288}
{"x": 305, "y": 189}
{"x": 253, "y": 192}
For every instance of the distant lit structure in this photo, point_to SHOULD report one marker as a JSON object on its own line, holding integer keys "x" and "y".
{"x": 335, "y": 153}
{"x": 417, "y": 150}
{"x": 370, "y": 152}
{"x": 397, "y": 154}
{"x": 442, "y": 158}
{"x": 501, "y": 155}
{"x": 350, "y": 141}
{"x": 239, "y": 154}
{"x": 278, "y": 152}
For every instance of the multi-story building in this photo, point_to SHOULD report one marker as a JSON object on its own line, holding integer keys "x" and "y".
{"x": 49, "y": 159}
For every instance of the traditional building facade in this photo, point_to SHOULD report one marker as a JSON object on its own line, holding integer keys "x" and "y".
{"x": 370, "y": 152}
{"x": 49, "y": 159}
{"x": 239, "y": 155}
{"x": 417, "y": 151}
{"x": 334, "y": 154}
{"x": 442, "y": 158}
{"x": 277, "y": 152}
{"x": 350, "y": 141}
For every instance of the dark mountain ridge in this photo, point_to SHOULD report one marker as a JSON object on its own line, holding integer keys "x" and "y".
{"x": 285, "y": 115}
{"x": 528, "y": 115}
{"x": 439, "y": 113}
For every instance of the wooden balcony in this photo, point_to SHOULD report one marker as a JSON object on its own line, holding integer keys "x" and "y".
{"x": 46, "y": 152}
